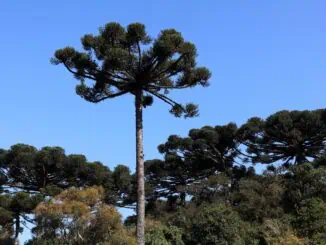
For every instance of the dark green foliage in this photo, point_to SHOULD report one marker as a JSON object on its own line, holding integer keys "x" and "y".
{"x": 200, "y": 193}
{"x": 122, "y": 177}
{"x": 302, "y": 183}
{"x": 159, "y": 234}
{"x": 259, "y": 198}
{"x": 206, "y": 149}
{"x": 125, "y": 184}
{"x": 310, "y": 220}
{"x": 280, "y": 206}
{"x": 6, "y": 219}
{"x": 204, "y": 153}
{"x": 28, "y": 175}
{"x": 50, "y": 170}
{"x": 287, "y": 136}
{"x": 14, "y": 210}
{"x": 123, "y": 60}
{"x": 217, "y": 225}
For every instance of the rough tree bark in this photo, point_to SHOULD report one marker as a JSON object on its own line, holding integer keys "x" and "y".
{"x": 140, "y": 170}
{"x": 17, "y": 228}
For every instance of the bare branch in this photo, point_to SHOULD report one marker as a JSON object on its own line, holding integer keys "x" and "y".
{"x": 76, "y": 73}
{"x": 172, "y": 65}
{"x": 109, "y": 96}
{"x": 165, "y": 99}
{"x": 115, "y": 76}
{"x": 168, "y": 87}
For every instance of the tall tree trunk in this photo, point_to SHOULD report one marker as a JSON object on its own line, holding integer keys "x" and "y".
{"x": 300, "y": 158}
{"x": 140, "y": 170}
{"x": 17, "y": 228}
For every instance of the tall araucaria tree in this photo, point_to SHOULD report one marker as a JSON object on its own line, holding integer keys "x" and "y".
{"x": 121, "y": 61}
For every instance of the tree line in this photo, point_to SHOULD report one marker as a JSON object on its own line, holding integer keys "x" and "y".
{"x": 204, "y": 189}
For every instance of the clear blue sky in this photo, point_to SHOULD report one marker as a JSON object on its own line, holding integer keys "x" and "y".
{"x": 264, "y": 55}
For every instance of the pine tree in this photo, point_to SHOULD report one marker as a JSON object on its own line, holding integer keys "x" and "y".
{"x": 123, "y": 61}
{"x": 28, "y": 174}
{"x": 190, "y": 160}
{"x": 285, "y": 136}
{"x": 49, "y": 170}
{"x": 14, "y": 210}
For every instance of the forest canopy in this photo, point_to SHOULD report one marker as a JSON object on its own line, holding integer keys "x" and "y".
{"x": 262, "y": 182}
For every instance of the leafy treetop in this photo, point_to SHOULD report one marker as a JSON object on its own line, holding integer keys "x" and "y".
{"x": 124, "y": 60}
{"x": 285, "y": 136}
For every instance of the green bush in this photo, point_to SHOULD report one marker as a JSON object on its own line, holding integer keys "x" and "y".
{"x": 218, "y": 225}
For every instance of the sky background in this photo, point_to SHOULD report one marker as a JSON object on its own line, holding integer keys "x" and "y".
{"x": 265, "y": 56}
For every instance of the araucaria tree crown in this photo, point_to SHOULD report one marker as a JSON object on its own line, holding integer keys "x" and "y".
{"x": 125, "y": 60}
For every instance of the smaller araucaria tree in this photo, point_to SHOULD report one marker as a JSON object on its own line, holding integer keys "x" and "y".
{"x": 123, "y": 61}
{"x": 188, "y": 160}
{"x": 285, "y": 136}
